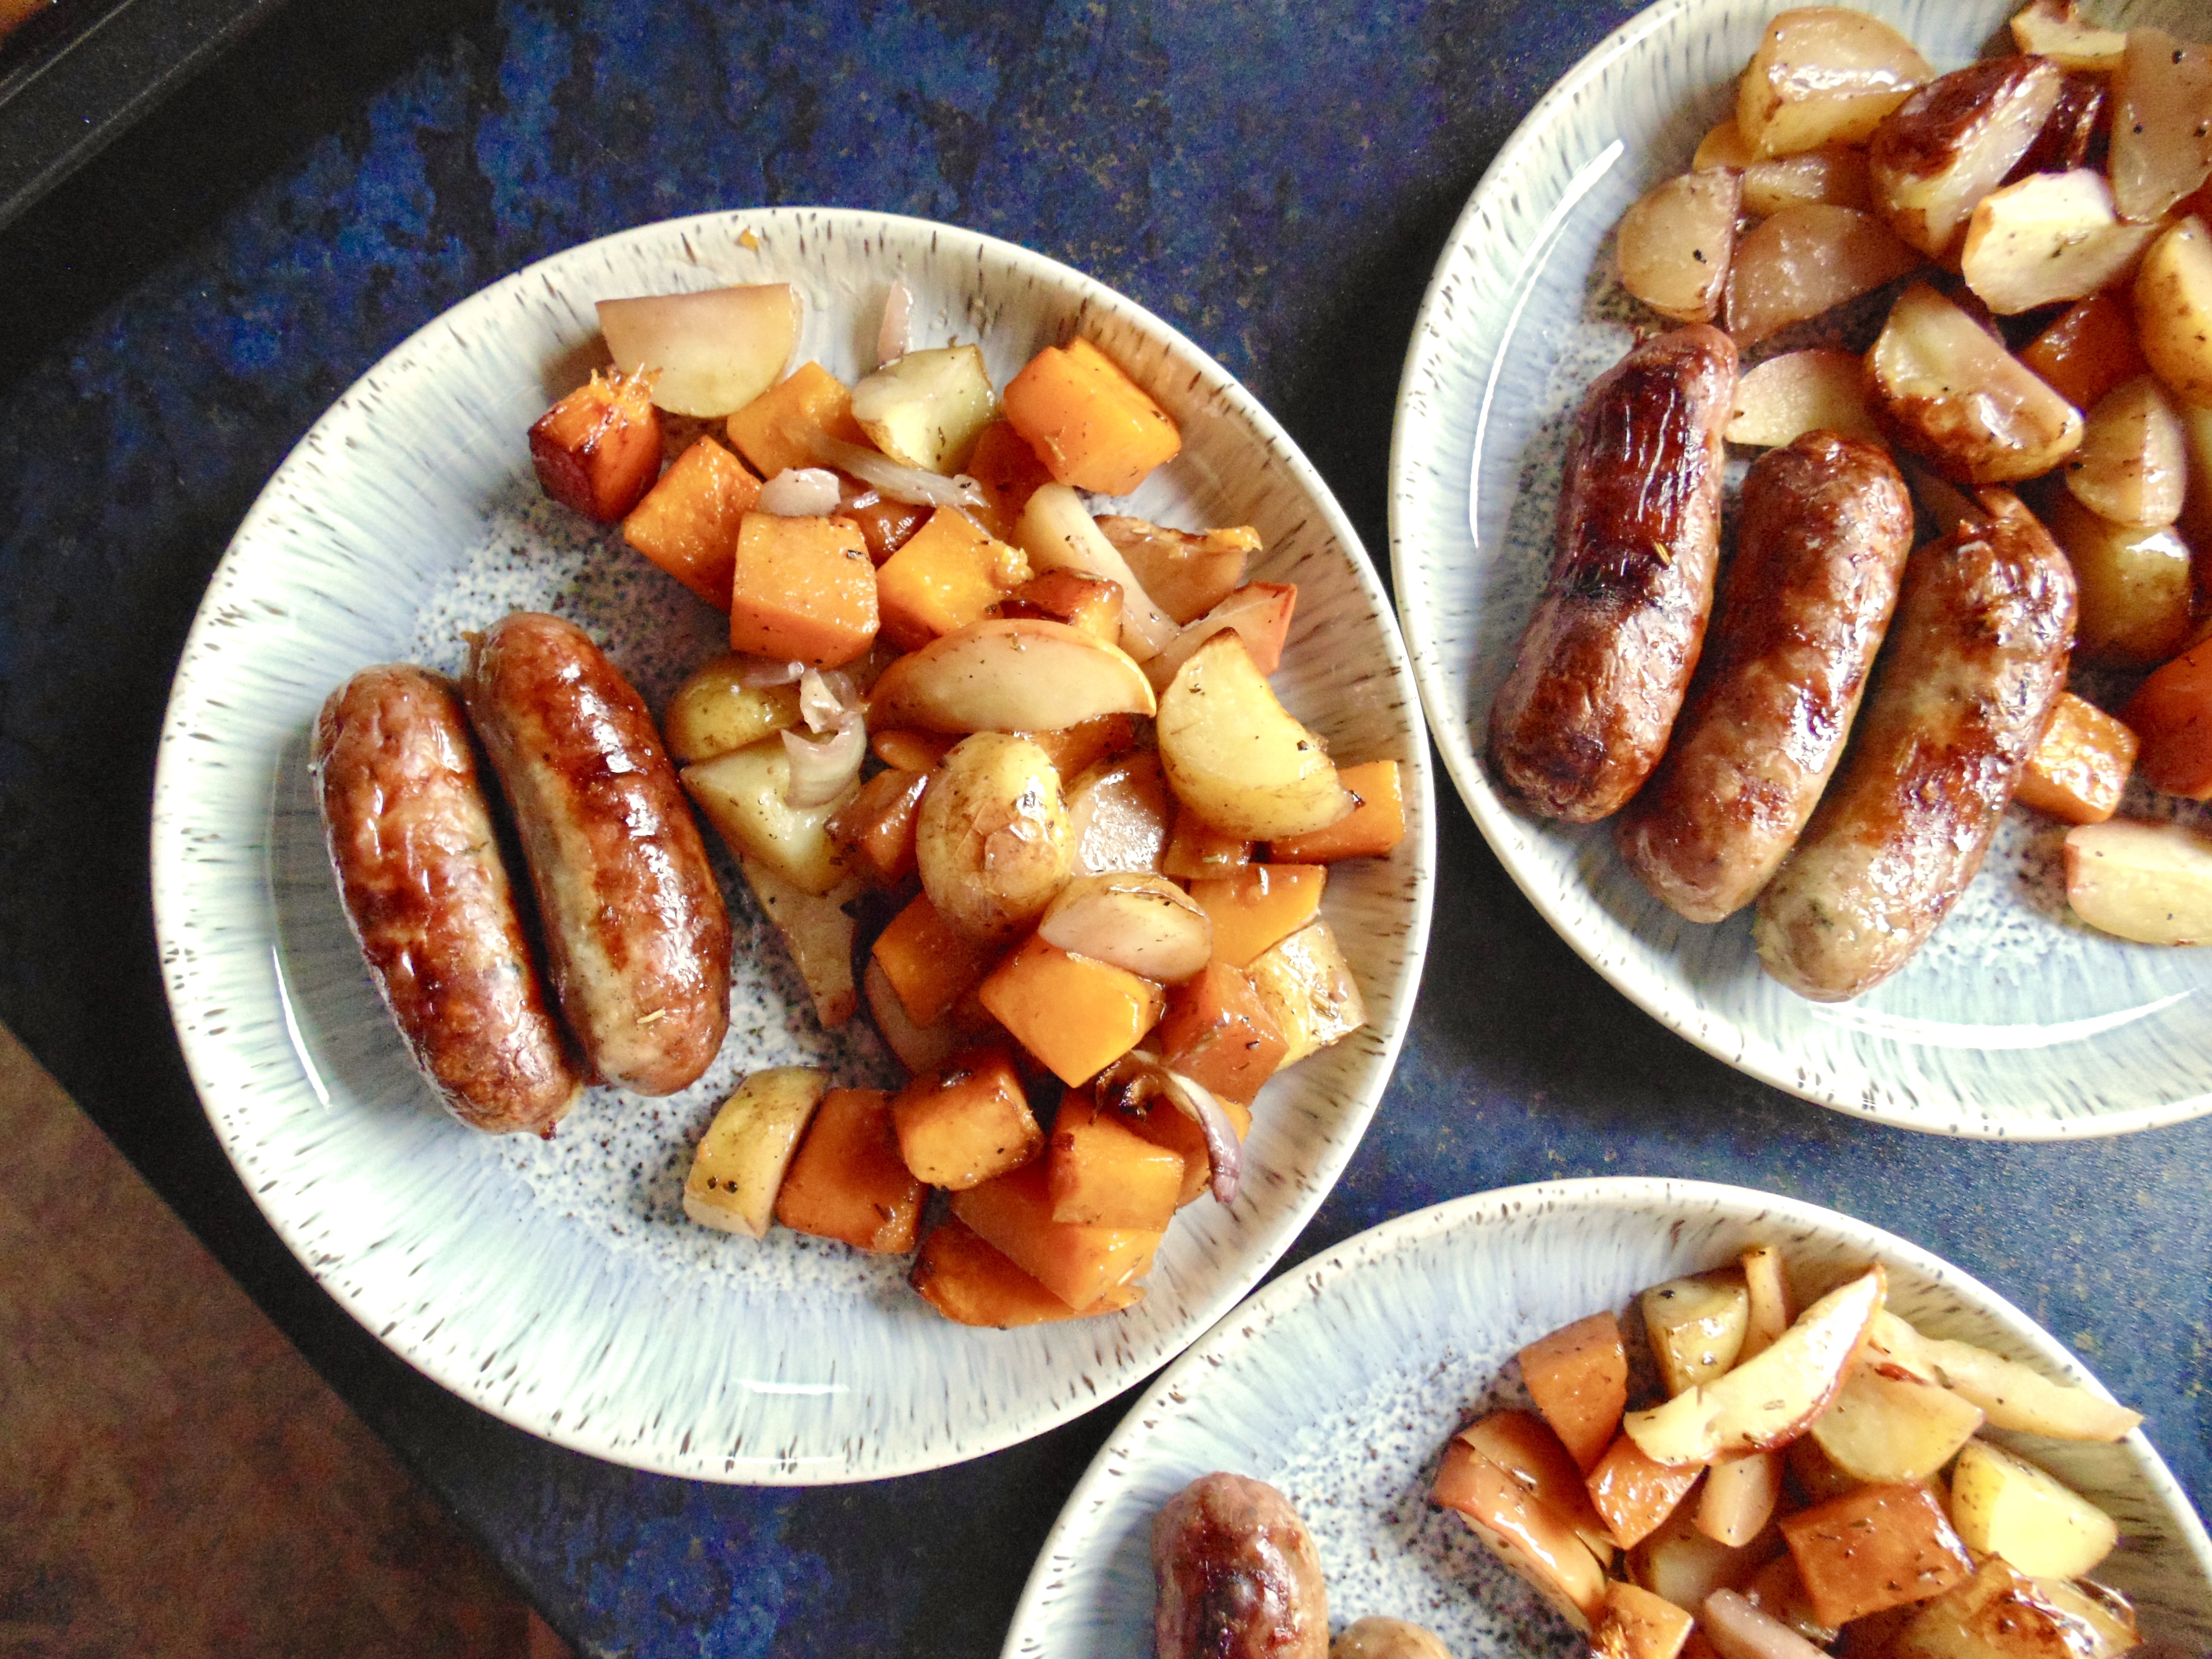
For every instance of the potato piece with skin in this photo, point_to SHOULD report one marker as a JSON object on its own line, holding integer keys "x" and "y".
{"x": 1894, "y": 1430}
{"x": 745, "y": 795}
{"x": 1057, "y": 531}
{"x": 740, "y": 1161}
{"x": 1675, "y": 243}
{"x": 1578, "y": 1378}
{"x": 2011, "y": 1395}
{"x": 2161, "y": 123}
{"x": 2001, "y": 1612}
{"x": 1523, "y": 1445}
{"x": 1635, "y": 1494}
{"x": 1143, "y": 923}
{"x": 1259, "y": 613}
{"x": 1778, "y": 401}
{"x": 2051, "y": 237}
{"x": 1377, "y": 1637}
{"x": 1770, "y": 1311}
{"x": 1119, "y": 812}
{"x": 2004, "y": 1505}
{"x": 2174, "y": 310}
{"x": 1834, "y": 177}
{"x": 1877, "y": 1548}
{"x": 927, "y": 408}
{"x": 993, "y": 841}
{"x": 1009, "y": 675}
{"x": 2080, "y": 770}
{"x": 1090, "y": 604}
{"x": 1824, "y": 75}
{"x": 1186, "y": 575}
{"x": 1695, "y": 1327}
{"x": 1807, "y": 260}
{"x": 1954, "y": 141}
{"x": 2133, "y": 464}
{"x": 1739, "y": 1496}
{"x": 2053, "y": 29}
{"x": 2135, "y": 586}
{"x": 715, "y": 711}
{"x": 1523, "y": 1533}
{"x": 1943, "y": 389}
{"x": 2088, "y": 351}
{"x": 712, "y": 352}
{"x": 1236, "y": 758}
{"x": 1307, "y": 988}
{"x": 817, "y": 931}
{"x": 2151, "y": 883}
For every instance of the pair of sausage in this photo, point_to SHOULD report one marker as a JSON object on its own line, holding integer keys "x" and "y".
{"x": 636, "y": 934}
{"x": 1981, "y": 640}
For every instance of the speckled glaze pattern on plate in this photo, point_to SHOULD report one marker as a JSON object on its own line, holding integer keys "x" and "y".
{"x": 2014, "y": 1020}
{"x": 557, "y": 1284}
{"x": 1341, "y": 1382}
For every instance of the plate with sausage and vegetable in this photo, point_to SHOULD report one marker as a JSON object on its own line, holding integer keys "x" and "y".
{"x": 1801, "y": 474}
{"x": 1642, "y": 1417}
{"x": 792, "y": 845}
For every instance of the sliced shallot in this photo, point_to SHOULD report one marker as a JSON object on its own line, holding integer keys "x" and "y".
{"x": 759, "y": 673}
{"x": 909, "y": 484}
{"x": 801, "y": 492}
{"x": 826, "y": 699}
{"x": 893, "y": 338}
{"x": 823, "y": 768}
{"x": 1140, "y": 1076}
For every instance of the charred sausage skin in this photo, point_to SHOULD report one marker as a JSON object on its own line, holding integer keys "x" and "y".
{"x": 1820, "y": 545}
{"x": 1975, "y": 663}
{"x": 419, "y": 867}
{"x": 636, "y": 936}
{"x": 1237, "y": 1574}
{"x": 1605, "y": 658}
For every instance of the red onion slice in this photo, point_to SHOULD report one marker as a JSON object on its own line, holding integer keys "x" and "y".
{"x": 909, "y": 484}
{"x": 823, "y": 768}
{"x": 1140, "y": 1076}
{"x": 761, "y": 673}
{"x": 801, "y": 492}
{"x": 895, "y": 337}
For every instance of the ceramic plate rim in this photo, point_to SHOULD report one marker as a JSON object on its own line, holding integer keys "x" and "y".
{"x": 210, "y": 1065}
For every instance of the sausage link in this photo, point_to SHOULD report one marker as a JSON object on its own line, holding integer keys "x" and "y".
{"x": 1820, "y": 544}
{"x": 418, "y": 866}
{"x": 1975, "y": 664}
{"x": 1237, "y": 1574}
{"x": 635, "y": 932}
{"x": 1584, "y": 716}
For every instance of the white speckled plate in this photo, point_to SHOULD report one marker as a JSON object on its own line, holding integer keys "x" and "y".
{"x": 1341, "y": 1382}
{"x": 557, "y": 1284}
{"x": 2015, "y": 1019}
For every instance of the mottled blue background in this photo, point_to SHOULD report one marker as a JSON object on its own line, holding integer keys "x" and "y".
{"x": 1277, "y": 179}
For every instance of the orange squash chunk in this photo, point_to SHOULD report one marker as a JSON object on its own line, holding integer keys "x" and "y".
{"x": 931, "y": 963}
{"x": 810, "y": 397}
{"x": 802, "y": 590}
{"x": 876, "y": 827}
{"x": 1080, "y": 1264}
{"x": 1010, "y": 472}
{"x": 688, "y": 523}
{"x": 1090, "y": 604}
{"x": 1376, "y": 824}
{"x": 1218, "y": 1033}
{"x": 1259, "y": 906}
{"x": 1101, "y": 1172}
{"x": 2080, "y": 769}
{"x": 1635, "y": 1494}
{"x": 1076, "y": 749}
{"x": 948, "y": 575}
{"x": 966, "y": 1120}
{"x": 598, "y": 449}
{"x": 2170, "y": 714}
{"x": 1076, "y": 1014}
{"x": 2089, "y": 350}
{"x": 1578, "y": 1378}
{"x": 910, "y": 751}
{"x": 848, "y": 1180}
{"x": 886, "y": 524}
{"x": 973, "y": 1282}
{"x": 1873, "y": 1548}
{"x": 1196, "y": 850}
{"x": 1090, "y": 423}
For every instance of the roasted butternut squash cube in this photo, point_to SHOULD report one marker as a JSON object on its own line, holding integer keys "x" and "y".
{"x": 920, "y": 1047}
{"x": 886, "y": 524}
{"x": 1090, "y": 604}
{"x": 1075, "y": 1014}
{"x": 1090, "y": 424}
{"x": 1009, "y": 471}
{"x": 964, "y": 1122}
{"x": 949, "y": 574}
{"x": 931, "y": 963}
{"x": 2170, "y": 714}
{"x": 848, "y": 1180}
{"x": 1101, "y": 1172}
{"x": 810, "y": 398}
{"x": 688, "y": 523}
{"x": 598, "y": 449}
{"x": 1306, "y": 986}
{"x": 1375, "y": 827}
{"x": 1258, "y": 907}
{"x": 876, "y": 827}
{"x": 1873, "y": 1548}
{"x": 1216, "y": 1032}
{"x": 1163, "y": 1124}
{"x": 1080, "y": 1264}
{"x": 1578, "y": 1378}
{"x": 1197, "y": 850}
{"x": 802, "y": 590}
{"x": 971, "y": 1282}
{"x": 2080, "y": 770}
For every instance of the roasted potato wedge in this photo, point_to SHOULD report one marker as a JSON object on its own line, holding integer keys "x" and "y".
{"x": 1675, "y": 244}
{"x": 1944, "y": 389}
{"x": 2135, "y": 586}
{"x": 2004, "y": 1505}
{"x": 745, "y": 795}
{"x": 1954, "y": 141}
{"x": 1824, "y": 75}
{"x": 2133, "y": 464}
{"x": 1308, "y": 989}
{"x": 709, "y": 353}
{"x": 1835, "y": 176}
{"x": 1186, "y": 575}
{"x": 1781, "y": 399}
{"x": 817, "y": 931}
{"x": 2053, "y": 236}
{"x": 2161, "y": 137}
{"x": 2053, "y": 29}
{"x": 1058, "y": 533}
{"x": 1009, "y": 675}
{"x": 1805, "y": 260}
{"x": 927, "y": 408}
{"x": 2174, "y": 310}
{"x": 741, "y": 1158}
{"x": 1236, "y": 758}
{"x": 715, "y": 711}
{"x": 2151, "y": 883}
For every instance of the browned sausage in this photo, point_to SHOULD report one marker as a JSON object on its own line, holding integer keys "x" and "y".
{"x": 1582, "y": 720}
{"x": 635, "y": 934}
{"x": 410, "y": 838}
{"x": 1238, "y": 1575}
{"x": 1820, "y": 544}
{"x": 1974, "y": 666}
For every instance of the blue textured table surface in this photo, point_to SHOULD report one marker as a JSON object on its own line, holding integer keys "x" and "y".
{"x": 1275, "y": 179}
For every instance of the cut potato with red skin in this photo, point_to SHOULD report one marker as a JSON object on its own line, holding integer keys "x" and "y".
{"x": 1536, "y": 1543}
{"x": 1945, "y": 390}
{"x": 2174, "y": 310}
{"x": 1954, "y": 141}
{"x": 2151, "y": 883}
{"x": 1805, "y": 260}
{"x": 711, "y": 353}
{"x": 2133, "y": 464}
{"x": 2051, "y": 237}
{"x": 2134, "y": 586}
{"x": 1780, "y": 400}
{"x": 1010, "y": 675}
{"x": 1523, "y": 1445}
{"x": 2004, "y": 1505}
{"x": 2011, "y": 1394}
{"x": 2052, "y": 29}
{"x": 1675, "y": 244}
{"x": 2161, "y": 123}
{"x": 1695, "y": 1327}
{"x": 1239, "y": 759}
{"x": 1578, "y": 1378}
{"x": 1824, "y": 75}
